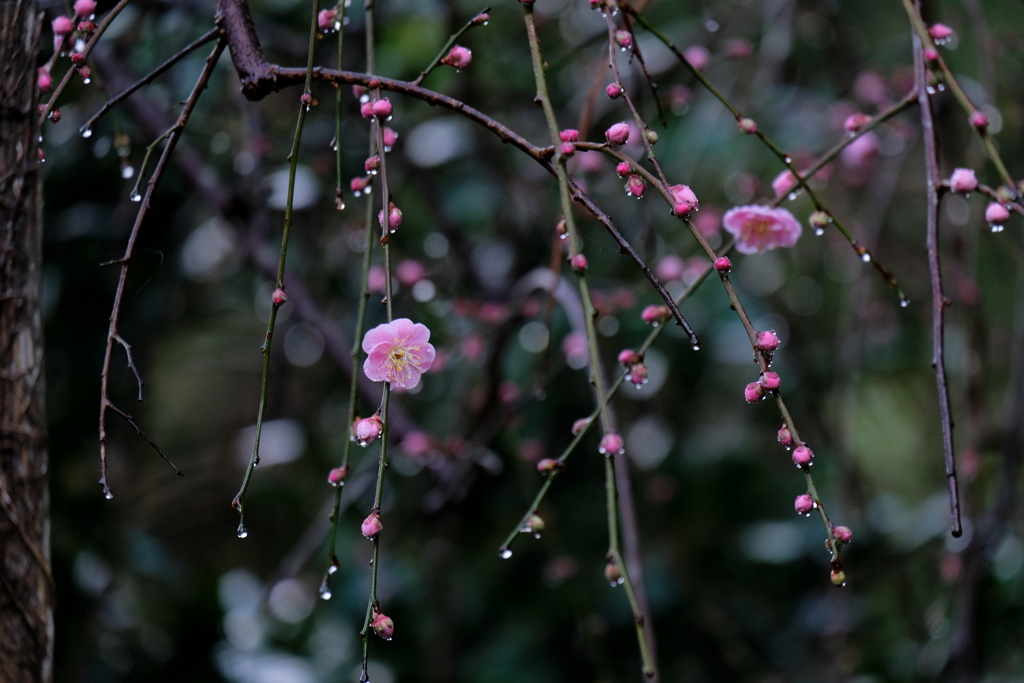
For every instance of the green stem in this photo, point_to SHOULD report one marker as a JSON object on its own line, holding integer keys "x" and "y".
{"x": 293, "y": 161}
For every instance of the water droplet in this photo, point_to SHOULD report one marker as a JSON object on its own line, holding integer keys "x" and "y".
{"x": 242, "y": 533}
{"x": 789, "y": 159}
{"x": 127, "y": 172}
{"x": 941, "y": 87}
{"x": 337, "y": 26}
{"x": 87, "y": 81}
{"x": 563, "y": 236}
{"x": 819, "y": 231}
{"x": 357, "y": 193}
{"x": 333, "y": 144}
{"x": 506, "y": 553}
{"x": 486, "y": 22}
{"x": 87, "y": 133}
{"x": 341, "y": 204}
{"x": 325, "y": 593}
{"x": 364, "y": 98}
{"x": 136, "y": 197}
{"x": 373, "y": 172}
{"x": 369, "y": 189}
{"x": 108, "y": 495}
{"x": 333, "y": 568}
{"x": 865, "y": 257}
{"x": 696, "y": 347}
{"x": 904, "y": 302}
{"x": 387, "y": 148}
{"x": 537, "y": 536}
{"x": 997, "y": 228}
{"x": 930, "y": 90}
{"x": 792, "y": 196}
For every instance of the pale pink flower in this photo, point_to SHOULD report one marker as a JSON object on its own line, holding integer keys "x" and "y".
{"x": 63, "y": 25}
{"x": 683, "y": 196}
{"x": 398, "y": 352}
{"x": 753, "y": 392}
{"x": 85, "y": 8}
{"x": 996, "y": 213}
{"x": 760, "y": 228}
{"x": 325, "y": 20}
{"x": 611, "y": 444}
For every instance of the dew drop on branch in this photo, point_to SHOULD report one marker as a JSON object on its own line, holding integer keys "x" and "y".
{"x": 506, "y": 553}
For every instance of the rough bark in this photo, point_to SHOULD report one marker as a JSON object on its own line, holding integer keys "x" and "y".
{"x": 26, "y": 586}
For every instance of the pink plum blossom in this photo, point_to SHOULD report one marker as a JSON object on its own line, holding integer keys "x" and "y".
{"x": 770, "y": 381}
{"x": 628, "y": 357}
{"x": 390, "y": 138}
{"x": 784, "y": 183}
{"x": 854, "y": 122}
{"x": 398, "y": 352}
{"x": 367, "y": 430}
{"x": 683, "y": 196}
{"x": 85, "y": 8}
{"x": 382, "y": 108}
{"x": 337, "y": 475}
{"x": 761, "y": 228}
{"x": 44, "y": 79}
{"x": 785, "y": 438}
{"x": 613, "y": 91}
{"x": 767, "y": 341}
{"x": 940, "y": 32}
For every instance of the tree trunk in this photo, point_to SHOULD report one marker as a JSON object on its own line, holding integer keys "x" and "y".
{"x": 26, "y": 585}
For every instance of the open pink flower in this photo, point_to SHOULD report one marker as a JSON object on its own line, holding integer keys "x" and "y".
{"x": 760, "y": 228}
{"x": 398, "y": 352}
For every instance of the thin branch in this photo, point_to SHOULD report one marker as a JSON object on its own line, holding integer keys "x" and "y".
{"x": 129, "y": 420}
{"x": 131, "y": 362}
{"x": 213, "y": 33}
{"x": 172, "y": 141}
{"x": 448, "y": 46}
{"x": 939, "y": 301}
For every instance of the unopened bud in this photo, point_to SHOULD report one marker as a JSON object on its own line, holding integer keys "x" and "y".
{"x": 652, "y": 136}
{"x": 613, "y": 91}
{"x": 818, "y": 220}
{"x": 372, "y": 163}
{"x": 770, "y": 381}
{"x": 578, "y": 263}
{"x": 535, "y": 524}
{"x": 638, "y": 375}
{"x": 723, "y": 264}
{"x": 753, "y": 392}
{"x": 279, "y": 296}
{"x": 746, "y": 125}
{"x": 367, "y": 430}
{"x": 611, "y": 444}
{"x": 842, "y": 534}
{"x": 77, "y": 58}
{"x": 55, "y": 115}
{"x": 838, "y": 577}
{"x": 996, "y": 213}
{"x": 624, "y": 39}
{"x": 579, "y": 425}
{"x": 785, "y": 438}
{"x": 337, "y": 475}
{"x": 854, "y": 122}
{"x": 547, "y": 465}
{"x": 383, "y": 626}
{"x": 652, "y": 315}
{"x": 629, "y": 357}
{"x": 979, "y": 119}
{"x": 612, "y": 573}
{"x": 623, "y": 169}
{"x": 567, "y": 149}
{"x": 802, "y": 456}
{"x": 617, "y": 134}
{"x": 767, "y": 341}
{"x": 804, "y": 504}
{"x": 635, "y": 185}
{"x": 371, "y": 525}
{"x": 382, "y": 108}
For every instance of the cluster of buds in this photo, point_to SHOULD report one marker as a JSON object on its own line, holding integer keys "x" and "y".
{"x": 568, "y": 137}
{"x": 380, "y": 108}
{"x": 684, "y": 200}
{"x": 634, "y": 364}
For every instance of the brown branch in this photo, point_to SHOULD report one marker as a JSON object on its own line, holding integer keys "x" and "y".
{"x": 172, "y": 141}
{"x": 128, "y": 418}
{"x": 939, "y": 301}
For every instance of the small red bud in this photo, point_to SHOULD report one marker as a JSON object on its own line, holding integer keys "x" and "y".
{"x": 753, "y": 392}
{"x": 623, "y": 169}
{"x": 723, "y": 264}
{"x": 578, "y": 262}
{"x": 767, "y": 341}
{"x": 804, "y": 504}
{"x": 629, "y": 357}
{"x": 279, "y": 296}
{"x": 613, "y": 91}
{"x": 802, "y": 456}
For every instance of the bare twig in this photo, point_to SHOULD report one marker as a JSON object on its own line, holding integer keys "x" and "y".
{"x": 939, "y": 301}
{"x": 448, "y": 46}
{"x": 131, "y": 362}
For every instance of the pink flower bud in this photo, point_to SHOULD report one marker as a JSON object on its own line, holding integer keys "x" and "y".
{"x": 62, "y": 25}
{"x": 85, "y": 73}
{"x": 698, "y": 57}
{"x": 979, "y": 119}
{"x": 55, "y": 115}
{"x": 785, "y": 438}
{"x": 547, "y": 465}
{"x": 567, "y": 149}
{"x": 85, "y": 8}
{"x": 613, "y": 91}
{"x": 394, "y": 217}
{"x": 44, "y": 80}
{"x": 325, "y": 20}
{"x": 963, "y": 180}
{"x": 86, "y": 26}
{"x": 746, "y": 125}
{"x": 578, "y": 262}
{"x": 652, "y": 315}
{"x": 931, "y": 56}
{"x": 279, "y": 296}
{"x": 842, "y": 534}
{"x": 390, "y": 137}
{"x": 754, "y": 392}
{"x": 723, "y": 264}
{"x": 337, "y": 475}
{"x": 481, "y": 19}
{"x": 307, "y": 99}
{"x": 579, "y": 425}
{"x": 360, "y": 184}
{"x": 382, "y": 108}
{"x": 383, "y": 626}
{"x": 940, "y": 31}
{"x": 996, "y": 213}
{"x": 624, "y": 39}
{"x": 628, "y": 357}
{"x": 854, "y": 122}
{"x": 611, "y": 444}
{"x": 569, "y": 135}
{"x": 635, "y": 185}
{"x": 372, "y": 163}
{"x": 366, "y": 110}
{"x": 770, "y": 381}
{"x": 784, "y": 183}
{"x": 684, "y": 196}
{"x": 458, "y": 57}
{"x": 767, "y": 341}
{"x": 802, "y": 456}
{"x": 804, "y": 504}
{"x": 617, "y": 134}
{"x": 371, "y": 525}
{"x": 623, "y": 169}
{"x": 612, "y": 573}
{"x": 77, "y": 58}
{"x": 367, "y": 430}
{"x": 638, "y": 375}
